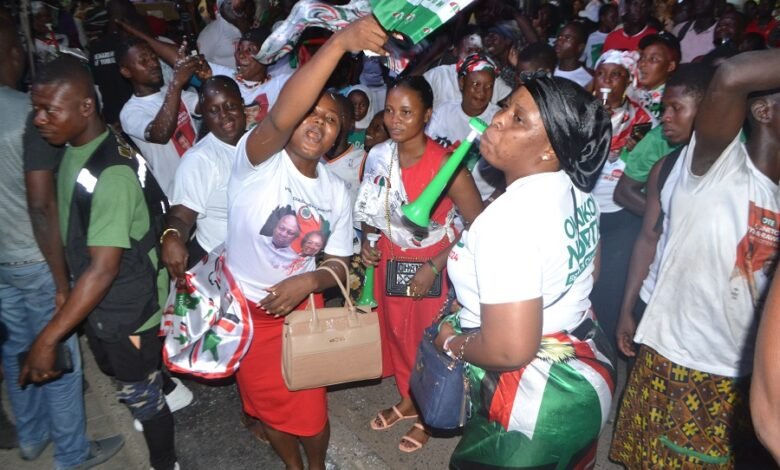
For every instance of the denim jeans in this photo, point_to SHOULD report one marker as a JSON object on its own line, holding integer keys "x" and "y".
{"x": 53, "y": 411}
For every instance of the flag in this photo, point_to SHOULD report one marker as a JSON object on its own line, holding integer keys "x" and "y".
{"x": 206, "y": 321}
{"x": 415, "y": 19}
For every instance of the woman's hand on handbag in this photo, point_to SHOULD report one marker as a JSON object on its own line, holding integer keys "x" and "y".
{"x": 283, "y": 297}
{"x": 369, "y": 256}
{"x": 445, "y": 331}
{"x": 422, "y": 281}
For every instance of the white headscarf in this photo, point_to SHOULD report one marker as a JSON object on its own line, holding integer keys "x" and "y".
{"x": 363, "y": 123}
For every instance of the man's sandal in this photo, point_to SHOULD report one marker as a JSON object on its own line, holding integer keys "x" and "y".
{"x": 409, "y": 444}
{"x": 380, "y": 423}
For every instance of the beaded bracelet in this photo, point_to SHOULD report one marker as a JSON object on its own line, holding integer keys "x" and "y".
{"x": 462, "y": 349}
{"x": 433, "y": 266}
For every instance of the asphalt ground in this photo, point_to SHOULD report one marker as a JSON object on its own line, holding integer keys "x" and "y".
{"x": 210, "y": 436}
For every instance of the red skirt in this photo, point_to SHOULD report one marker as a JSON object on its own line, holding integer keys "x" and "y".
{"x": 402, "y": 320}
{"x": 261, "y": 386}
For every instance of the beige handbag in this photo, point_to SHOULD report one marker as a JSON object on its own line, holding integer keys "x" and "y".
{"x": 330, "y": 346}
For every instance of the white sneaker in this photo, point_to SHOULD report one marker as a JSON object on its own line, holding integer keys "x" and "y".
{"x": 180, "y": 397}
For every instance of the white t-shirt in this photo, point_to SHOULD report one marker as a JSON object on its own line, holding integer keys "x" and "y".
{"x": 593, "y": 47}
{"x": 200, "y": 184}
{"x": 604, "y": 191}
{"x": 723, "y": 237}
{"x": 579, "y": 75}
{"x": 258, "y": 97}
{"x": 444, "y": 82}
{"x": 217, "y": 42}
{"x": 526, "y": 245}
{"x": 695, "y": 44}
{"x": 139, "y": 112}
{"x": 449, "y": 125}
{"x": 279, "y": 220}
{"x": 648, "y": 285}
{"x": 347, "y": 168}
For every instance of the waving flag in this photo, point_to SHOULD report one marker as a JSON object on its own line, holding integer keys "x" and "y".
{"x": 413, "y": 19}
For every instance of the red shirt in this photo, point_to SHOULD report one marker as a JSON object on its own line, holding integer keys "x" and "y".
{"x": 618, "y": 39}
{"x": 754, "y": 27}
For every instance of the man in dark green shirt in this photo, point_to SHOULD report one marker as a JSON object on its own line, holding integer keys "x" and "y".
{"x": 119, "y": 287}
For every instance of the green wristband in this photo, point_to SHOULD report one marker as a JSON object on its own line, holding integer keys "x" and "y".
{"x": 433, "y": 266}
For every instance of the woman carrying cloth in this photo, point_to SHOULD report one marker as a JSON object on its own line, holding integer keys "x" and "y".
{"x": 540, "y": 369}
{"x": 396, "y": 172}
{"x": 285, "y": 208}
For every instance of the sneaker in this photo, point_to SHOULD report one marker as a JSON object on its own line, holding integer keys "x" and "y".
{"x": 101, "y": 450}
{"x": 34, "y": 451}
{"x": 180, "y": 397}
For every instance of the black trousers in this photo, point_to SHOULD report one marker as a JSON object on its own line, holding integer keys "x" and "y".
{"x": 619, "y": 231}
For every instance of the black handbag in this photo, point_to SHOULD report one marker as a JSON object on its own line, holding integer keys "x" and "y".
{"x": 400, "y": 274}
{"x": 439, "y": 385}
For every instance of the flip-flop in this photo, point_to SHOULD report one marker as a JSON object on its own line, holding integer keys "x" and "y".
{"x": 252, "y": 424}
{"x": 385, "y": 424}
{"x": 416, "y": 445}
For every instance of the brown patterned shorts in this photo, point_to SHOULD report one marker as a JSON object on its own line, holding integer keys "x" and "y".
{"x": 673, "y": 417}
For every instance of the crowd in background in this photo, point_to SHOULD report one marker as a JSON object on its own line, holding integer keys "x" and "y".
{"x": 623, "y": 204}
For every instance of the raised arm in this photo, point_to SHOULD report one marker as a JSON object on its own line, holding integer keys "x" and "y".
{"x": 167, "y": 52}
{"x": 722, "y": 112}
{"x": 302, "y": 89}
{"x": 161, "y": 129}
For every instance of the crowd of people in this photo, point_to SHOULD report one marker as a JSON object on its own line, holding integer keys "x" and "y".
{"x": 622, "y": 205}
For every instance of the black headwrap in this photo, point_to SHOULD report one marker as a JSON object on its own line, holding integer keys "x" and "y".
{"x": 577, "y": 126}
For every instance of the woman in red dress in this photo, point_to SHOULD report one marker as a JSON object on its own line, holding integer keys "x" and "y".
{"x": 396, "y": 172}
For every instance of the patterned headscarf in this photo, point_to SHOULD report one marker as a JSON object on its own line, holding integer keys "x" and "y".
{"x": 476, "y": 63}
{"x": 577, "y": 126}
{"x": 628, "y": 59}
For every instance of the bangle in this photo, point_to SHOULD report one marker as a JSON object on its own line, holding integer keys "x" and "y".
{"x": 433, "y": 266}
{"x": 446, "y": 347}
{"x": 166, "y": 232}
{"x": 462, "y": 349}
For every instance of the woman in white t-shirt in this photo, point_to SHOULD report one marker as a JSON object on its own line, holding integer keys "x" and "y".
{"x": 450, "y": 121}
{"x": 619, "y": 227}
{"x": 200, "y": 184}
{"x": 284, "y": 209}
{"x": 541, "y": 372}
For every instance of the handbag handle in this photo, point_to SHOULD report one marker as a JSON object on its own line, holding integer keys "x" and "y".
{"x": 348, "y": 301}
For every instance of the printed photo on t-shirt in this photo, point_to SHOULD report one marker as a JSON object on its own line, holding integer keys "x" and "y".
{"x": 184, "y": 134}
{"x": 294, "y": 236}
{"x": 257, "y": 111}
{"x": 757, "y": 251}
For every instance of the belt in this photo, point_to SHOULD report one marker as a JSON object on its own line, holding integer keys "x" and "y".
{"x": 22, "y": 263}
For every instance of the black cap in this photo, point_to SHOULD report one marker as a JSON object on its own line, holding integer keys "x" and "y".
{"x": 256, "y": 35}
{"x": 666, "y": 39}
